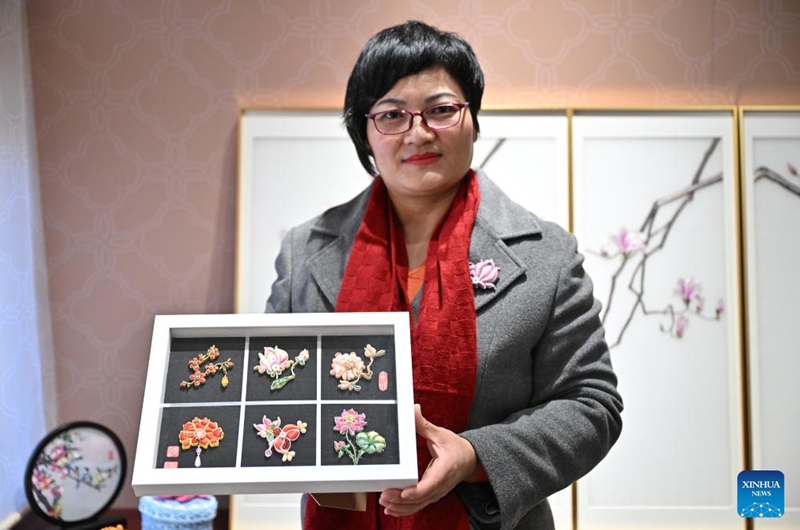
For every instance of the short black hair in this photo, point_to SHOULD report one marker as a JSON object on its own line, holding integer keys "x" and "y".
{"x": 395, "y": 53}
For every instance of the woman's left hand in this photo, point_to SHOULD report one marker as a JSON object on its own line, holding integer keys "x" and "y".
{"x": 453, "y": 460}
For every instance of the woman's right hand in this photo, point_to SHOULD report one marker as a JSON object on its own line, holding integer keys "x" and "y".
{"x": 453, "y": 460}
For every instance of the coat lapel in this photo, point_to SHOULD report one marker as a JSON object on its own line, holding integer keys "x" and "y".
{"x": 327, "y": 267}
{"x": 487, "y": 245}
{"x": 338, "y": 228}
{"x": 499, "y": 220}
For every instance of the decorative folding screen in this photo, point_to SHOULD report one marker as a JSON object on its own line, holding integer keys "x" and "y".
{"x": 771, "y": 158}
{"x": 655, "y": 206}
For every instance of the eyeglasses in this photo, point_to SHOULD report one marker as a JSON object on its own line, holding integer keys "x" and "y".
{"x": 442, "y": 116}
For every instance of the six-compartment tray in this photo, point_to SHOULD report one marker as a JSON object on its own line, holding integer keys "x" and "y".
{"x": 277, "y": 403}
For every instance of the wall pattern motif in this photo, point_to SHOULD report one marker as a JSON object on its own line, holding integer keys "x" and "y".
{"x": 137, "y": 106}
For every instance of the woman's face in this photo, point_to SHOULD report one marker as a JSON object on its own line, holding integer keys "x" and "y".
{"x": 423, "y": 162}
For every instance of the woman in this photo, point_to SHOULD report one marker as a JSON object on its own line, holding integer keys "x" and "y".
{"x": 517, "y": 397}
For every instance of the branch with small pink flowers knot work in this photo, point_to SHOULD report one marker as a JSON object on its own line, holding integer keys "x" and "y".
{"x": 199, "y": 376}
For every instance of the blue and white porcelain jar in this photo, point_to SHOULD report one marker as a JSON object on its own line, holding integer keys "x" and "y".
{"x": 178, "y": 513}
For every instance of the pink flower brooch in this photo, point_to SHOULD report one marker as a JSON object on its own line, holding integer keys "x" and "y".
{"x": 484, "y": 273}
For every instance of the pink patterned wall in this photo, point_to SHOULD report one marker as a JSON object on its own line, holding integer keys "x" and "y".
{"x": 137, "y": 104}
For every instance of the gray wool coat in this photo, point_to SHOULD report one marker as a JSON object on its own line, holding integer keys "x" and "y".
{"x": 546, "y": 409}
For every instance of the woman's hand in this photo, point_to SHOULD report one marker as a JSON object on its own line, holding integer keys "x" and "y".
{"x": 453, "y": 460}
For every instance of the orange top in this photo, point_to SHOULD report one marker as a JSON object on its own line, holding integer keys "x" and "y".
{"x": 415, "y": 279}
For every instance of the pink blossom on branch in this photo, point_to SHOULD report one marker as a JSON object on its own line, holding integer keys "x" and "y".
{"x": 680, "y": 326}
{"x": 689, "y": 289}
{"x": 720, "y": 309}
{"x": 627, "y": 242}
{"x": 624, "y": 243}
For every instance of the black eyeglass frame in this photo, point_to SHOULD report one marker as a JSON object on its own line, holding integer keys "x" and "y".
{"x": 412, "y": 115}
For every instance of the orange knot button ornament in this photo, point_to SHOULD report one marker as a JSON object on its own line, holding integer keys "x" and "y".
{"x": 201, "y": 434}
{"x": 274, "y": 361}
{"x": 349, "y": 368}
{"x": 199, "y": 376}
{"x": 356, "y": 443}
{"x": 280, "y": 438}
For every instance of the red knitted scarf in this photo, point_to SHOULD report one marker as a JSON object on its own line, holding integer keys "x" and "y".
{"x": 443, "y": 341}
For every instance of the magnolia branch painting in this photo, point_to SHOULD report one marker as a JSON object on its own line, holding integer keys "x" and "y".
{"x": 634, "y": 250}
{"x": 790, "y": 184}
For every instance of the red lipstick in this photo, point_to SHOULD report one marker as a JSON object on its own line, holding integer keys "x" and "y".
{"x": 422, "y": 159}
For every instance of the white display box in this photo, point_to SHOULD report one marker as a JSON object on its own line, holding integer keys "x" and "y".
{"x": 323, "y": 458}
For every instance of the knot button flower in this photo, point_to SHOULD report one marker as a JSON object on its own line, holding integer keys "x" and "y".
{"x": 370, "y": 352}
{"x": 356, "y": 443}
{"x": 347, "y": 366}
{"x": 201, "y": 434}
{"x": 484, "y": 274}
{"x": 349, "y": 422}
{"x": 280, "y": 438}
{"x": 198, "y": 377}
{"x": 371, "y": 442}
{"x": 273, "y": 361}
